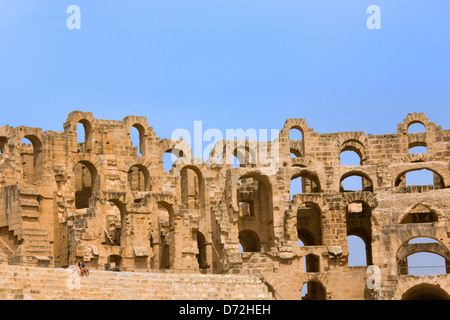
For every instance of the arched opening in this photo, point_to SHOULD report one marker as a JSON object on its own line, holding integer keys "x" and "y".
{"x": 137, "y": 133}
{"x": 164, "y": 250}
{"x": 426, "y": 291}
{"x": 356, "y": 251}
{"x": 359, "y": 234}
{"x": 246, "y": 208}
{"x": 416, "y": 127}
{"x": 422, "y": 240}
{"x": 296, "y": 187}
{"x": 256, "y": 190}
{"x": 420, "y": 214}
{"x": 113, "y": 224}
{"x": 426, "y": 264}
{"x": 349, "y": 158}
{"x": 114, "y": 262}
{"x": 243, "y": 157}
{"x": 295, "y": 134}
{"x": 304, "y": 182}
{"x": 191, "y": 188}
{"x": 309, "y": 224}
{"x": 295, "y": 153}
{"x": 85, "y": 183}
{"x": 3, "y": 144}
{"x": 249, "y": 241}
{"x": 423, "y": 256}
{"x": 296, "y": 142}
{"x": 420, "y": 177}
{"x": 169, "y": 158}
{"x": 202, "y": 252}
{"x": 355, "y": 182}
{"x": 235, "y": 163}
{"x": 139, "y": 178}
{"x": 418, "y": 149}
{"x": 313, "y": 290}
{"x": 81, "y": 135}
{"x": 84, "y": 129}
{"x": 30, "y": 151}
{"x": 312, "y": 263}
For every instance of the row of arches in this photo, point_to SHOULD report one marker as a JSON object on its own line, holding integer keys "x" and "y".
{"x": 84, "y": 132}
{"x": 308, "y": 182}
{"x": 315, "y": 290}
{"x": 352, "y": 151}
{"x": 86, "y": 182}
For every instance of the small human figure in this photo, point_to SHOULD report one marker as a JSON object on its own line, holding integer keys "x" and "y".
{"x": 84, "y": 269}
{"x": 77, "y": 268}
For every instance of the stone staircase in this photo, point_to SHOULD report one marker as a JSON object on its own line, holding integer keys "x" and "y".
{"x": 19, "y": 283}
{"x": 35, "y": 244}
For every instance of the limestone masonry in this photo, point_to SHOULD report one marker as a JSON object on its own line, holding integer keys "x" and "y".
{"x": 114, "y": 205}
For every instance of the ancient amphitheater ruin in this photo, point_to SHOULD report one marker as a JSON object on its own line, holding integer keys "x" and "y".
{"x": 207, "y": 226}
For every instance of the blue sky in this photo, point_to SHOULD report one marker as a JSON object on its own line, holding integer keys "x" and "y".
{"x": 231, "y": 64}
{"x": 228, "y": 63}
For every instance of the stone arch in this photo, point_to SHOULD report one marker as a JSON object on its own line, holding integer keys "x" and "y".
{"x": 179, "y": 149}
{"x": 416, "y": 141}
{"x": 358, "y": 219}
{"x": 304, "y": 162}
{"x": 245, "y": 154}
{"x": 192, "y": 188}
{"x": 141, "y": 131}
{"x": 302, "y": 147}
{"x": 6, "y": 132}
{"x": 263, "y": 220}
{"x": 412, "y": 118}
{"x": 316, "y": 290}
{"x": 317, "y": 199}
{"x": 244, "y": 151}
{"x": 202, "y": 246}
{"x": 298, "y": 124}
{"x": 125, "y": 226}
{"x": 407, "y": 249}
{"x": 164, "y": 234}
{"x": 367, "y": 198}
{"x": 86, "y": 182}
{"x": 309, "y": 224}
{"x": 312, "y": 262}
{"x": 85, "y": 146}
{"x": 113, "y": 222}
{"x": 31, "y": 160}
{"x": 249, "y": 240}
{"x": 114, "y": 262}
{"x": 139, "y": 178}
{"x": 310, "y": 179}
{"x": 367, "y": 182}
{"x": 89, "y": 123}
{"x": 423, "y": 207}
{"x": 297, "y": 147}
{"x": 291, "y": 220}
{"x": 438, "y": 177}
{"x": 438, "y": 248}
{"x": 141, "y": 125}
{"x": 425, "y": 291}
{"x": 353, "y": 141}
{"x": 217, "y": 153}
{"x": 3, "y": 145}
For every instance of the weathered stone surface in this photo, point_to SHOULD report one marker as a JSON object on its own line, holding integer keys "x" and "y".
{"x": 113, "y": 204}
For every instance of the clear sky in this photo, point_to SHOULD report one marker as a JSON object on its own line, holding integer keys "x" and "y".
{"x": 228, "y": 63}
